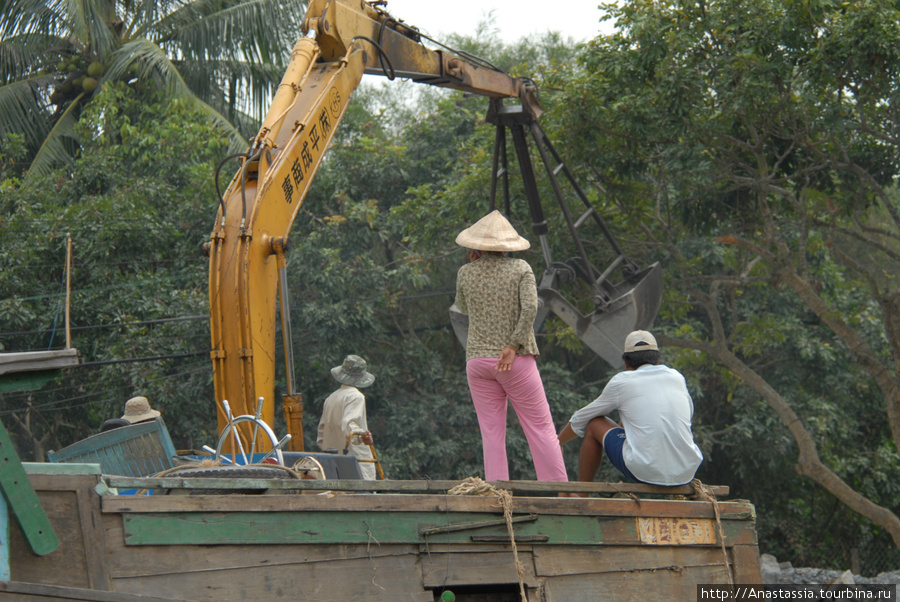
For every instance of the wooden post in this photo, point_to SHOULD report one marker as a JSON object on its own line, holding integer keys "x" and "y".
{"x": 68, "y": 290}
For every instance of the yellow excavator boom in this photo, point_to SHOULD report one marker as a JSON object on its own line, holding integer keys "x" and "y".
{"x": 344, "y": 40}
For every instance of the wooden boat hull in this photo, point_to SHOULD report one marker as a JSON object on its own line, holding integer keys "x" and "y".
{"x": 332, "y": 546}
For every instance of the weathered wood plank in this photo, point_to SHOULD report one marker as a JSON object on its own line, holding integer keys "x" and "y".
{"x": 73, "y": 510}
{"x": 376, "y": 578}
{"x": 51, "y": 468}
{"x": 670, "y": 583}
{"x": 93, "y": 539}
{"x": 552, "y": 561}
{"x": 15, "y": 591}
{"x": 516, "y": 487}
{"x": 474, "y": 568}
{"x": 67, "y": 565}
{"x": 38, "y": 360}
{"x": 747, "y": 570}
{"x": 730, "y": 511}
{"x": 63, "y": 482}
{"x": 150, "y": 561}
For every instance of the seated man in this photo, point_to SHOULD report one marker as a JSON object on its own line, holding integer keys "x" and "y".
{"x": 137, "y": 409}
{"x": 654, "y": 443}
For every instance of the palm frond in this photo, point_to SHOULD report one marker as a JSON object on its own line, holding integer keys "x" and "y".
{"x": 140, "y": 52}
{"x": 90, "y": 22}
{"x": 20, "y": 106}
{"x": 233, "y": 86}
{"x": 154, "y": 64}
{"x": 57, "y": 147}
{"x": 251, "y": 30}
{"x": 238, "y": 143}
{"x": 27, "y": 16}
{"x": 22, "y": 54}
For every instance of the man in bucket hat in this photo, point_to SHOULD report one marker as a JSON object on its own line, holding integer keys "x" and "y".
{"x": 344, "y": 413}
{"x": 137, "y": 409}
{"x": 499, "y": 295}
{"x": 654, "y": 443}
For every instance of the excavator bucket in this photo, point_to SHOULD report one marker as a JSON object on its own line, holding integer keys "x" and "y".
{"x": 634, "y": 305}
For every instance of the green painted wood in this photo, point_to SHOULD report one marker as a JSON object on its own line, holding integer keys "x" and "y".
{"x": 469, "y": 525}
{"x": 5, "y": 570}
{"x": 62, "y": 469}
{"x": 387, "y": 526}
{"x": 22, "y": 501}
{"x": 192, "y": 528}
{"x": 26, "y": 381}
{"x": 138, "y": 450}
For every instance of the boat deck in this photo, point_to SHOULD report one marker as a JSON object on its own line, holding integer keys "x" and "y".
{"x": 382, "y": 540}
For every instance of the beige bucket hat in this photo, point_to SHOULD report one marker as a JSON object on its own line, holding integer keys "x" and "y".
{"x": 353, "y": 372}
{"x": 493, "y": 232}
{"x": 137, "y": 409}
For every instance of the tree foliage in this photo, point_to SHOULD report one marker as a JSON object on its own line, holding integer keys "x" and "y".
{"x": 224, "y": 55}
{"x": 756, "y": 142}
{"x": 756, "y": 162}
{"x": 136, "y": 206}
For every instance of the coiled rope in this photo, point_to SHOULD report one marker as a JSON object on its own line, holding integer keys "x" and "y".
{"x": 703, "y": 493}
{"x": 476, "y": 486}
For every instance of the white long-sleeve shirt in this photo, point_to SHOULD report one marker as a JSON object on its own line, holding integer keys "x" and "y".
{"x": 345, "y": 412}
{"x": 655, "y": 409}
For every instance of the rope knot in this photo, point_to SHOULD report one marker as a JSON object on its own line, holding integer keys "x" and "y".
{"x": 476, "y": 486}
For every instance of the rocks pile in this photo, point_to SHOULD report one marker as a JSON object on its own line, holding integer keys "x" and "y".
{"x": 782, "y": 573}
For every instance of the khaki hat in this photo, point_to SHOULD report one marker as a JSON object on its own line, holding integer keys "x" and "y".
{"x": 353, "y": 372}
{"x": 493, "y": 232}
{"x": 137, "y": 409}
{"x": 640, "y": 340}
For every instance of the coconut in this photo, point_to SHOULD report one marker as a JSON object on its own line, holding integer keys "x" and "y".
{"x": 96, "y": 69}
{"x": 89, "y": 84}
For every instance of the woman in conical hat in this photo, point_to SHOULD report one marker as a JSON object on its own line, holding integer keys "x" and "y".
{"x": 499, "y": 295}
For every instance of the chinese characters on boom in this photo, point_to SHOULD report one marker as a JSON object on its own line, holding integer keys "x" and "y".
{"x": 311, "y": 147}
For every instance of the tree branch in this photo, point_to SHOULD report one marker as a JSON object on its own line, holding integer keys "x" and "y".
{"x": 808, "y": 462}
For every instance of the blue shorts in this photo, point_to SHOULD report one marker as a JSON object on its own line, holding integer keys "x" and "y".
{"x": 613, "y": 442}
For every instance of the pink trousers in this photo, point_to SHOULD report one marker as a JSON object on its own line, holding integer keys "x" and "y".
{"x": 522, "y": 385}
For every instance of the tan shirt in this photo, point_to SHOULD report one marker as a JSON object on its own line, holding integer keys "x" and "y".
{"x": 345, "y": 412}
{"x": 499, "y": 295}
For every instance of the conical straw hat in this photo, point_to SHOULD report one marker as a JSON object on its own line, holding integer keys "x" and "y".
{"x": 493, "y": 232}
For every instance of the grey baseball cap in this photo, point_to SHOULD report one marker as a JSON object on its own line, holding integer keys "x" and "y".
{"x": 640, "y": 340}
